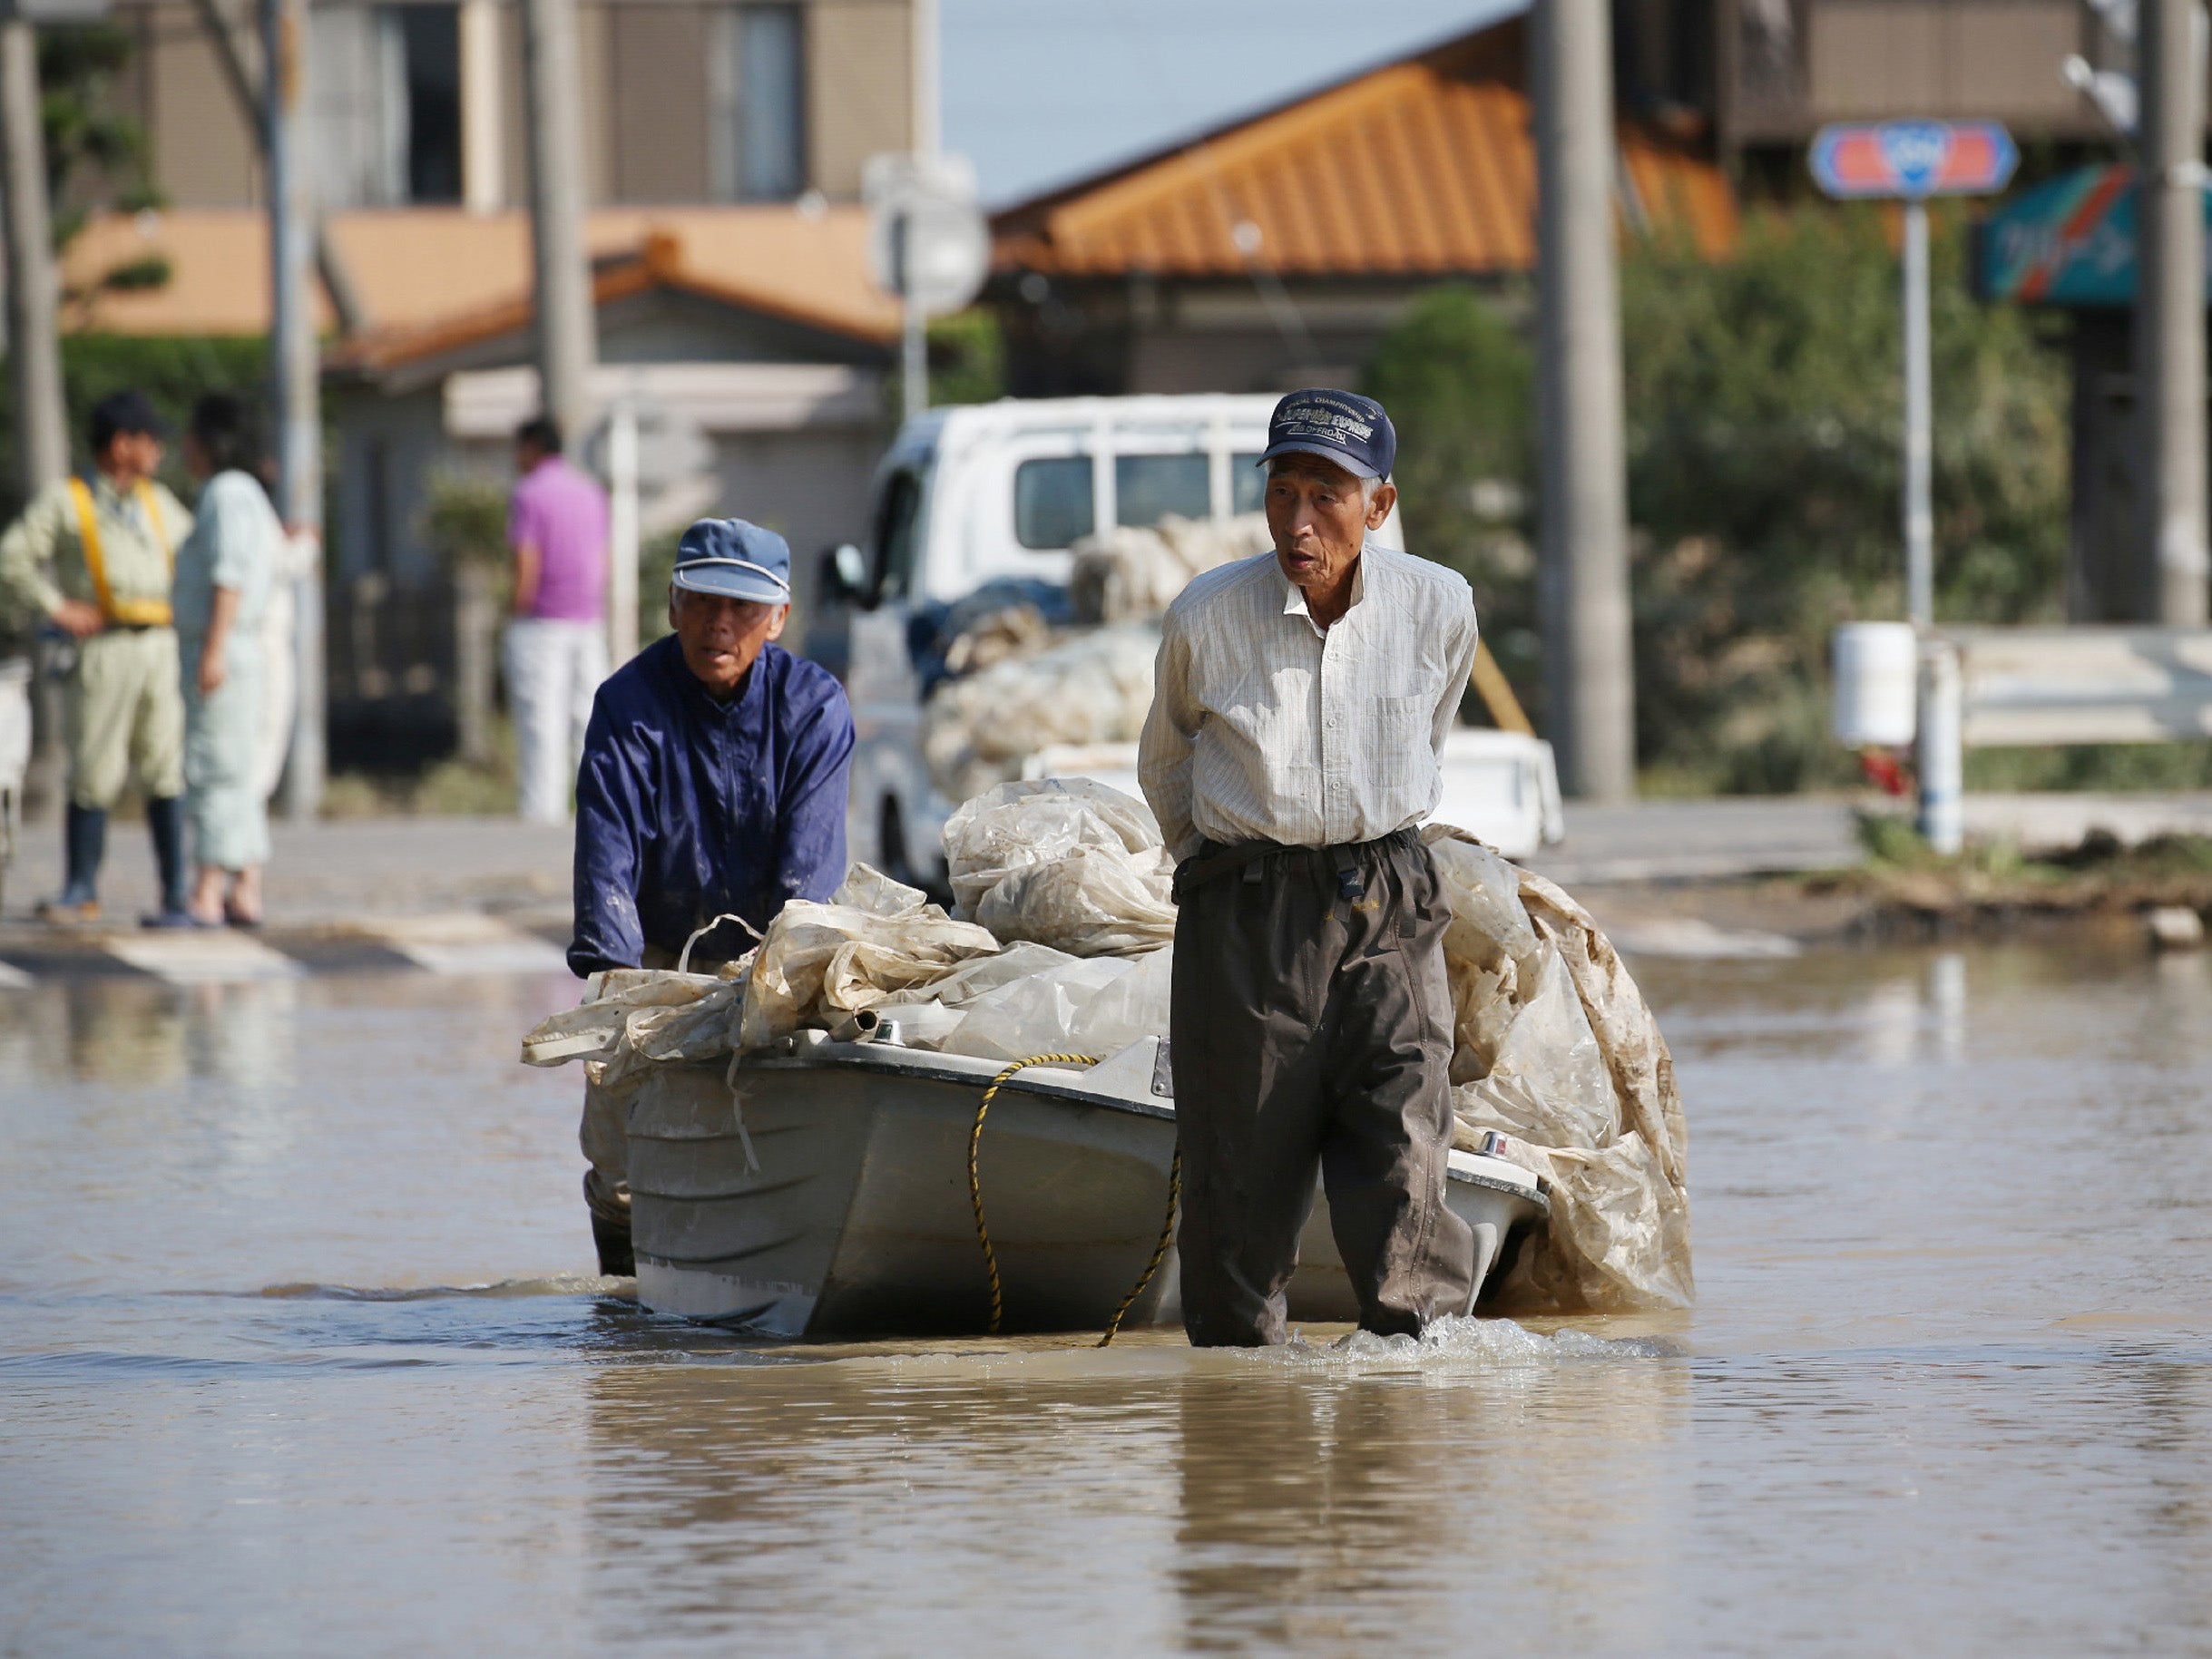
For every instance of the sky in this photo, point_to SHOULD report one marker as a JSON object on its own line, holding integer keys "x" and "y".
{"x": 1039, "y": 92}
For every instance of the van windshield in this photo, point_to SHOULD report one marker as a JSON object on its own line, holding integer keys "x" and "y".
{"x": 895, "y": 522}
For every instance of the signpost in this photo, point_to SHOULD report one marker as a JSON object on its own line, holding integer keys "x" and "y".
{"x": 1911, "y": 161}
{"x": 928, "y": 243}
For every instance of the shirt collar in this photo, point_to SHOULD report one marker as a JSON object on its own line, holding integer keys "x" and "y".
{"x": 1294, "y": 596}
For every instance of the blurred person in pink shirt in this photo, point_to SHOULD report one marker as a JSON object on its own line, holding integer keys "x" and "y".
{"x": 556, "y": 645}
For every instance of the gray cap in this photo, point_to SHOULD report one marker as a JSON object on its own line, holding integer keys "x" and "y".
{"x": 733, "y": 558}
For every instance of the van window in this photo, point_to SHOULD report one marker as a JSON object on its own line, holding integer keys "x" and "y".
{"x": 1052, "y": 501}
{"x": 895, "y": 533}
{"x": 1146, "y": 488}
{"x": 1247, "y": 483}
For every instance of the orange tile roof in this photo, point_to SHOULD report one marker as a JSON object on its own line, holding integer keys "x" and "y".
{"x": 430, "y": 271}
{"x": 1422, "y": 167}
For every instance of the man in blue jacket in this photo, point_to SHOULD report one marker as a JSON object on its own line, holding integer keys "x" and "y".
{"x": 713, "y": 784}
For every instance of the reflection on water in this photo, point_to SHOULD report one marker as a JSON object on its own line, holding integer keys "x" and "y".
{"x": 296, "y": 1338}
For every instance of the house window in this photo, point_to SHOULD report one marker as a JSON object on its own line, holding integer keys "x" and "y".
{"x": 760, "y": 106}
{"x": 430, "y": 56}
{"x": 384, "y": 101}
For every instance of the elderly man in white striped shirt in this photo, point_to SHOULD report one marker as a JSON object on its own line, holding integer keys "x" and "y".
{"x": 1301, "y": 700}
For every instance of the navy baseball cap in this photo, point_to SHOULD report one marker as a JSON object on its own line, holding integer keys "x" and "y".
{"x": 1339, "y": 426}
{"x": 733, "y": 558}
{"x": 126, "y": 411}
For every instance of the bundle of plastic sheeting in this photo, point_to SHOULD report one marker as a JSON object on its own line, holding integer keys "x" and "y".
{"x": 1034, "y": 999}
{"x": 1063, "y": 862}
{"x": 873, "y": 939}
{"x": 1125, "y": 573}
{"x": 1090, "y": 688}
{"x": 631, "y": 1019}
{"x": 996, "y": 636}
{"x": 1555, "y": 1047}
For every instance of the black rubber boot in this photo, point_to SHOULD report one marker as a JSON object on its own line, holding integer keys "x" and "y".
{"x": 165, "y": 819}
{"x": 616, "y": 1259}
{"x": 85, "y": 843}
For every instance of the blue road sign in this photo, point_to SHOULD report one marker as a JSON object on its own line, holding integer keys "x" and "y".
{"x": 1913, "y": 160}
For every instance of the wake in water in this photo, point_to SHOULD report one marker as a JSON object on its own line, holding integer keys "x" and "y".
{"x": 1486, "y": 1342}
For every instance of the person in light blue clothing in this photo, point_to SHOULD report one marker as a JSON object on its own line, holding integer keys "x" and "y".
{"x": 224, "y": 569}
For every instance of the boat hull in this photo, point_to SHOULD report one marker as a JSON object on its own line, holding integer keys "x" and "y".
{"x": 857, "y": 1218}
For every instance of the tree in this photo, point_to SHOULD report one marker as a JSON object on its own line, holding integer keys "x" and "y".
{"x": 1764, "y": 408}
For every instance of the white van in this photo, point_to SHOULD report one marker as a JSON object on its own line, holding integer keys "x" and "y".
{"x": 984, "y": 494}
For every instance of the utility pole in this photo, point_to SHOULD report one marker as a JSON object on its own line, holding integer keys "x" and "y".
{"x": 1583, "y": 508}
{"x": 295, "y": 375}
{"x": 2169, "y": 316}
{"x": 1919, "y": 426}
{"x": 245, "y": 78}
{"x": 34, "y": 351}
{"x": 928, "y": 142}
{"x": 566, "y": 343}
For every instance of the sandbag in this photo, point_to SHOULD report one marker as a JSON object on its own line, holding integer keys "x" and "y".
{"x": 1063, "y": 862}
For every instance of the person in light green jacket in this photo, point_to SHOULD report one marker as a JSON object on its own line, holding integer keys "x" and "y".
{"x": 92, "y": 556}
{"x": 224, "y": 570}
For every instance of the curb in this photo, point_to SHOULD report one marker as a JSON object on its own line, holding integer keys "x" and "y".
{"x": 456, "y": 943}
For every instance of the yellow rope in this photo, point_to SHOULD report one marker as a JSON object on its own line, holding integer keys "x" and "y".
{"x": 983, "y": 1232}
{"x": 1160, "y": 1251}
{"x": 975, "y": 1179}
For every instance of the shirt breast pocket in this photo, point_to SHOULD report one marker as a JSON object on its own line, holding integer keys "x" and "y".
{"x": 1398, "y": 739}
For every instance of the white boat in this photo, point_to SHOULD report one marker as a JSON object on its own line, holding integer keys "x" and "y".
{"x": 853, "y": 1217}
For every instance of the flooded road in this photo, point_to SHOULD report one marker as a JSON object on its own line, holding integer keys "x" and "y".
{"x": 296, "y": 1355}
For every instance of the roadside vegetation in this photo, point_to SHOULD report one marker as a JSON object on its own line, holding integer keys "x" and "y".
{"x": 1995, "y": 881}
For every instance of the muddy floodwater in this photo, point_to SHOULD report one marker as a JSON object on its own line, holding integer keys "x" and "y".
{"x": 298, "y": 1354}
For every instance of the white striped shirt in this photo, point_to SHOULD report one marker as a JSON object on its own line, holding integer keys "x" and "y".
{"x": 1266, "y": 726}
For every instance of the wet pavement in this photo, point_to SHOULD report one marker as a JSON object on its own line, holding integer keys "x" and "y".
{"x": 296, "y": 1354}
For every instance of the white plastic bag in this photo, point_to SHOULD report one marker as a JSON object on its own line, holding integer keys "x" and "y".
{"x": 1041, "y": 1013}
{"x": 1063, "y": 862}
{"x": 1094, "y": 902}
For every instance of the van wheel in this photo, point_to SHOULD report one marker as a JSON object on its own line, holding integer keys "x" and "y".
{"x": 891, "y": 844}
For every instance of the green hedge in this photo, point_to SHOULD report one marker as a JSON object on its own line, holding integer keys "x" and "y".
{"x": 173, "y": 372}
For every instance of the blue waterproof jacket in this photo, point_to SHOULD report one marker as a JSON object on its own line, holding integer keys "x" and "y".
{"x": 688, "y": 808}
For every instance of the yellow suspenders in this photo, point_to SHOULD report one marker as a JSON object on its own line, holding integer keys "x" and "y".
{"x": 136, "y": 612}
